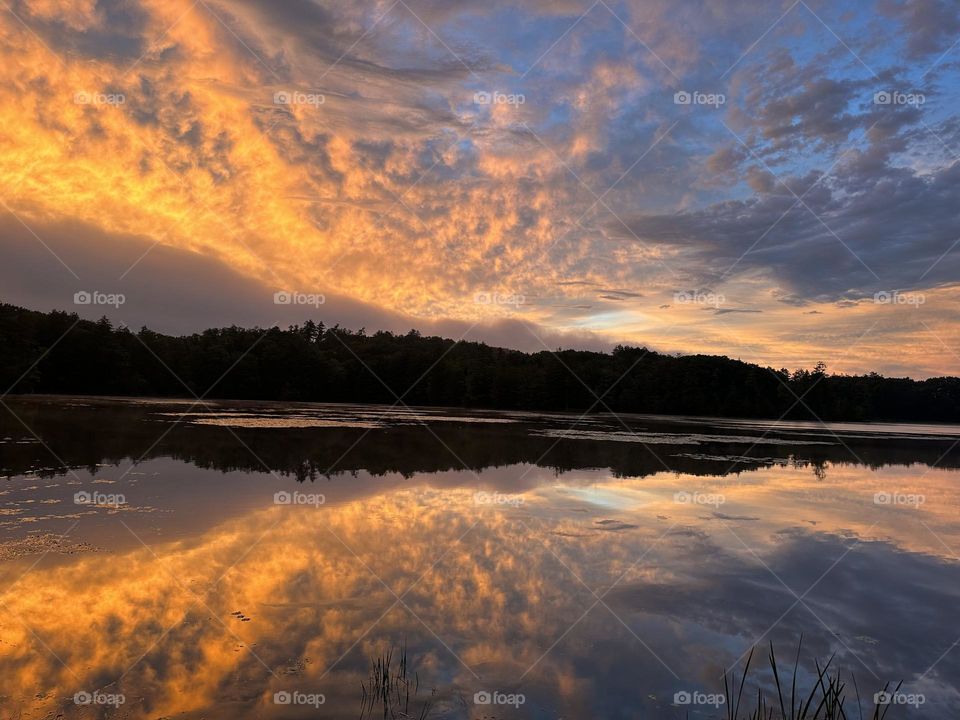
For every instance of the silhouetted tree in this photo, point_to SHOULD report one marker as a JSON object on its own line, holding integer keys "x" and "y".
{"x": 57, "y": 352}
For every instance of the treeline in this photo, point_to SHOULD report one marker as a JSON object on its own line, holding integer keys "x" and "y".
{"x": 312, "y": 362}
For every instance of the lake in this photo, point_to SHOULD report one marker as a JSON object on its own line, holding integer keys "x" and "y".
{"x": 163, "y": 558}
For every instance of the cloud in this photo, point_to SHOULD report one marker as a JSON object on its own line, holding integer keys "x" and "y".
{"x": 179, "y": 292}
{"x": 401, "y": 171}
{"x": 858, "y": 229}
{"x": 931, "y": 25}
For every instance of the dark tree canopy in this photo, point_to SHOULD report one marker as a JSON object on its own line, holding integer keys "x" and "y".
{"x": 59, "y": 353}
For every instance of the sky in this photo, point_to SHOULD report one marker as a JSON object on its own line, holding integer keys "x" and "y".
{"x": 772, "y": 181}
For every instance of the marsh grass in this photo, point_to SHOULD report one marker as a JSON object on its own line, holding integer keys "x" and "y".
{"x": 828, "y": 698}
{"x": 391, "y": 689}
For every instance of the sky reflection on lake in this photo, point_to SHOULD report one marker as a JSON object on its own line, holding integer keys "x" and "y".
{"x": 590, "y": 591}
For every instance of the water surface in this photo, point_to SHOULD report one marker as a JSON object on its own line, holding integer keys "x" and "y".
{"x": 198, "y": 559}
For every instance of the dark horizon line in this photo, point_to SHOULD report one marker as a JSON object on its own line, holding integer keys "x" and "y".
{"x": 461, "y": 341}
{"x": 60, "y": 353}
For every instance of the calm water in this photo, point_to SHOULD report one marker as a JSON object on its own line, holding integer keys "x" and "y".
{"x": 198, "y": 560}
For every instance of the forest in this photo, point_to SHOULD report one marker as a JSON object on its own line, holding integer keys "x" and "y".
{"x": 59, "y": 353}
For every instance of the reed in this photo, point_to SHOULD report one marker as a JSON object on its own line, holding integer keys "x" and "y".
{"x": 391, "y": 689}
{"x": 827, "y": 698}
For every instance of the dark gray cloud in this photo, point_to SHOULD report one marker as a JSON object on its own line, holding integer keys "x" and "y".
{"x": 893, "y": 590}
{"x": 178, "y": 292}
{"x": 870, "y": 224}
{"x": 931, "y": 25}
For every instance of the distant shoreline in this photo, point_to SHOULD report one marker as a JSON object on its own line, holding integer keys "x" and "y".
{"x": 59, "y": 353}
{"x": 781, "y": 423}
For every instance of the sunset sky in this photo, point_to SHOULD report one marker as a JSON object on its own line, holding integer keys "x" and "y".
{"x": 774, "y": 181}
